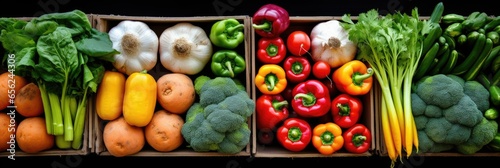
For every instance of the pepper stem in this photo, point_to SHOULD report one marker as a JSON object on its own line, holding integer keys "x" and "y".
{"x": 358, "y": 140}
{"x": 229, "y": 68}
{"x": 327, "y": 138}
{"x": 358, "y": 78}
{"x": 297, "y": 68}
{"x": 308, "y": 99}
{"x": 344, "y": 110}
{"x": 272, "y": 50}
{"x": 279, "y": 105}
{"x": 264, "y": 26}
{"x": 271, "y": 81}
{"x": 231, "y": 30}
{"x": 294, "y": 134}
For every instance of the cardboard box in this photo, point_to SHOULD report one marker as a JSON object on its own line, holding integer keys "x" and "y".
{"x": 158, "y": 24}
{"x": 85, "y": 147}
{"x": 275, "y": 150}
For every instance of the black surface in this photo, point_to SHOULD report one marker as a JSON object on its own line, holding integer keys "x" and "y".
{"x": 28, "y": 8}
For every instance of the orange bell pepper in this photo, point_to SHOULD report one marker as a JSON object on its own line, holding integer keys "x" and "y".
{"x": 327, "y": 138}
{"x": 353, "y": 78}
{"x": 270, "y": 79}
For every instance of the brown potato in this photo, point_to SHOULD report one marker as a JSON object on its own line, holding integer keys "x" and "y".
{"x": 163, "y": 133}
{"x": 122, "y": 139}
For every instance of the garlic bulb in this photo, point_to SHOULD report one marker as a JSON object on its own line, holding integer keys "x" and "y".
{"x": 137, "y": 44}
{"x": 185, "y": 48}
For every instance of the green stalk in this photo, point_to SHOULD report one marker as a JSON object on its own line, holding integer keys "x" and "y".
{"x": 79, "y": 123}
{"x": 57, "y": 119}
{"x": 61, "y": 143}
{"x": 46, "y": 108}
{"x": 68, "y": 121}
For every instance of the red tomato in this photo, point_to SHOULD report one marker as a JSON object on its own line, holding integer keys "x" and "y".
{"x": 321, "y": 69}
{"x": 298, "y": 43}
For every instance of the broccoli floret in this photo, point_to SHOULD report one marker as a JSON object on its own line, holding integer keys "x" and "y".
{"x": 433, "y": 111}
{"x": 440, "y": 90}
{"x": 199, "y": 82}
{"x": 447, "y": 114}
{"x": 478, "y": 93}
{"x": 235, "y": 140}
{"x": 417, "y": 105}
{"x": 481, "y": 135}
{"x": 218, "y": 122}
{"x": 465, "y": 113}
{"x": 420, "y": 121}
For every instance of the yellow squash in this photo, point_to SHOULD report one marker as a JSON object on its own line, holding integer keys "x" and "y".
{"x": 109, "y": 98}
{"x": 139, "y": 101}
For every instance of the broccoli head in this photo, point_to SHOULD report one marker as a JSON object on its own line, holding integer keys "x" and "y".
{"x": 448, "y": 114}
{"x": 218, "y": 122}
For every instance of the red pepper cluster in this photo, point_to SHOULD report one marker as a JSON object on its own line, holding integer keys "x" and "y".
{"x": 310, "y": 109}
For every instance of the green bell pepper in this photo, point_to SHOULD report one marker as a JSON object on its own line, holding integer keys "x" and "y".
{"x": 227, "y": 33}
{"x": 227, "y": 63}
{"x": 491, "y": 113}
{"x": 495, "y": 95}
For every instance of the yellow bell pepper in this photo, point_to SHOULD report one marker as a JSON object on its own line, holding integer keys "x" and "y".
{"x": 353, "y": 78}
{"x": 109, "y": 98}
{"x": 271, "y": 79}
{"x": 139, "y": 101}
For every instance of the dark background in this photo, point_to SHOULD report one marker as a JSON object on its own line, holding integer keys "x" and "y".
{"x": 30, "y": 8}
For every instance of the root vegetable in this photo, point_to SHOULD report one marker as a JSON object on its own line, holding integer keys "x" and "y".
{"x": 122, "y": 139}
{"x": 9, "y": 85}
{"x": 163, "y": 133}
{"x": 176, "y": 92}
{"x": 29, "y": 101}
{"x": 32, "y": 136}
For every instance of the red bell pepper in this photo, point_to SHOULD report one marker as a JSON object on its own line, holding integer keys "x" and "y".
{"x": 270, "y": 110}
{"x": 357, "y": 139}
{"x": 294, "y": 134}
{"x": 270, "y": 20}
{"x": 297, "y": 68}
{"x": 311, "y": 98}
{"x": 271, "y": 50}
{"x": 346, "y": 110}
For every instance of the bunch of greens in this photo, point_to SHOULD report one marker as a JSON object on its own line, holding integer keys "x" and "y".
{"x": 65, "y": 56}
{"x": 392, "y": 46}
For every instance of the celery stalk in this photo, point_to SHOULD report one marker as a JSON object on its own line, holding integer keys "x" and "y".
{"x": 57, "y": 119}
{"x": 46, "y": 108}
{"x": 68, "y": 121}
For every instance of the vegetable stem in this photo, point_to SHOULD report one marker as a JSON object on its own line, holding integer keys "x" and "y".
{"x": 68, "y": 121}
{"x": 57, "y": 118}
{"x": 79, "y": 123}
{"x": 46, "y": 108}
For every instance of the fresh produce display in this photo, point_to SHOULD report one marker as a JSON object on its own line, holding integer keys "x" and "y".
{"x": 294, "y": 134}
{"x": 271, "y": 50}
{"x": 218, "y": 121}
{"x": 383, "y": 51}
{"x": 438, "y": 84}
{"x": 330, "y": 43}
{"x": 185, "y": 48}
{"x": 296, "y": 88}
{"x": 64, "y": 56}
{"x": 137, "y": 44}
{"x": 327, "y": 138}
{"x": 448, "y": 114}
{"x": 227, "y": 33}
